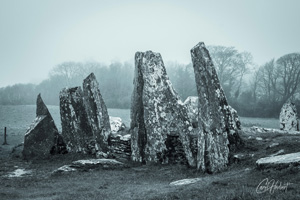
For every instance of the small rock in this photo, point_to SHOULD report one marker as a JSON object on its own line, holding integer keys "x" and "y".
{"x": 278, "y": 153}
{"x": 273, "y": 145}
{"x": 185, "y": 181}
{"x": 116, "y": 124}
{"x": 19, "y": 173}
{"x": 259, "y": 138}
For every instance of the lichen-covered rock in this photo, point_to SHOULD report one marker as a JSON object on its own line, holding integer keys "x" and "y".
{"x": 288, "y": 117}
{"x": 76, "y": 130}
{"x": 215, "y": 131}
{"x": 96, "y": 111}
{"x": 116, "y": 124}
{"x": 42, "y": 137}
{"x": 156, "y": 112}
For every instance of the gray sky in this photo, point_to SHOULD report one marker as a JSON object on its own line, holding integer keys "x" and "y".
{"x": 36, "y": 35}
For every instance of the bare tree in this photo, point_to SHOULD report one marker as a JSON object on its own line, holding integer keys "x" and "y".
{"x": 231, "y": 66}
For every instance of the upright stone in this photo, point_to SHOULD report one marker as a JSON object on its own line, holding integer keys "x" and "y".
{"x": 42, "y": 137}
{"x": 76, "y": 130}
{"x": 191, "y": 104}
{"x": 288, "y": 117}
{"x": 156, "y": 112}
{"x": 97, "y": 112}
{"x": 215, "y": 131}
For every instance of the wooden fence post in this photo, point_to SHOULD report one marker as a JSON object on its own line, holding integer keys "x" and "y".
{"x": 5, "y": 142}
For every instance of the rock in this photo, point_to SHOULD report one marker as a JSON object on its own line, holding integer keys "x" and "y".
{"x": 116, "y": 124}
{"x": 84, "y": 118}
{"x": 120, "y": 146}
{"x": 19, "y": 173}
{"x": 279, "y": 162}
{"x": 97, "y": 163}
{"x": 280, "y": 152}
{"x": 97, "y": 112}
{"x": 17, "y": 151}
{"x": 258, "y": 138}
{"x": 185, "y": 181}
{"x": 288, "y": 117}
{"x": 76, "y": 130}
{"x": 273, "y": 145}
{"x": 216, "y": 122}
{"x": 64, "y": 169}
{"x": 156, "y": 112}
{"x": 42, "y": 138}
{"x": 272, "y": 131}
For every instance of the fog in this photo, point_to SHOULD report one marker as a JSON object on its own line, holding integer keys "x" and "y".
{"x": 37, "y": 35}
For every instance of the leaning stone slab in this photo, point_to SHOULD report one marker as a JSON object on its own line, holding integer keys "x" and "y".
{"x": 156, "y": 112}
{"x": 288, "y": 117}
{"x": 96, "y": 110}
{"x": 216, "y": 119}
{"x": 42, "y": 138}
{"x": 279, "y": 162}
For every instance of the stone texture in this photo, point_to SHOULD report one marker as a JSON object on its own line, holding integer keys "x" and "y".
{"x": 279, "y": 162}
{"x": 97, "y": 112}
{"x": 216, "y": 123}
{"x": 288, "y": 117}
{"x": 255, "y": 129}
{"x": 84, "y": 118}
{"x": 120, "y": 146}
{"x": 156, "y": 112}
{"x": 116, "y": 124}
{"x": 42, "y": 138}
{"x": 76, "y": 130}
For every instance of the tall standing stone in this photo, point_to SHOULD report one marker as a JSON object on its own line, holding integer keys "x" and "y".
{"x": 42, "y": 137}
{"x": 76, "y": 130}
{"x": 156, "y": 112}
{"x": 96, "y": 111}
{"x": 288, "y": 117}
{"x": 214, "y": 111}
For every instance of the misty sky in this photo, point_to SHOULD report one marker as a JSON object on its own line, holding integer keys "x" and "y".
{"x": 36, "y": 35}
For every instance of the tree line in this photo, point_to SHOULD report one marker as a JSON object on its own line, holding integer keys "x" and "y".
{"x": 252, "y": 91}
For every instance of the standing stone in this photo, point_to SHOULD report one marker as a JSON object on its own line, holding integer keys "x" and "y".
{"x": 76, "y": 130}
{"x": 42, "y": 137}
{"x": 156, "y": 112}
{"x": 214, "y": 111}
{"x": 97, "y": 112}
{"x": 288, "y": 117}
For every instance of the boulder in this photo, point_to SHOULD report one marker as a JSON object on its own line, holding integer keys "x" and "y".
{"x": 96, "y": 110}
{"x": 116, "y": 124}
{"x": 156, "y": 112}
{"x": 42, "y": 138}
{"x": 76, "y": 130}
{"x": 279, "y": 162}
{"x": 288, "y": 117}
{"x": 216, "y": 131}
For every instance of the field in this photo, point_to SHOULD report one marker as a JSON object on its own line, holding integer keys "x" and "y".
{"x": 136, "y": 181}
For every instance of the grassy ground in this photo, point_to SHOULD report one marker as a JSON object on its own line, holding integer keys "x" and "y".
{"x": 152, "y": 181}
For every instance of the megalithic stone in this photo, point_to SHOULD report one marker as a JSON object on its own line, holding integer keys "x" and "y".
{"x": 214, "y": 123}
{"x": 41, "y": 138}
{"x": 97, "y": 112}
{"x": 288, "y": 117}
{"x": 156, "y": 112}
{"x": 75, "y": 127}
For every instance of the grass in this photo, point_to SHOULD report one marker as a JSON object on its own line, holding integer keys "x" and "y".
{"x": 239, "y": 181}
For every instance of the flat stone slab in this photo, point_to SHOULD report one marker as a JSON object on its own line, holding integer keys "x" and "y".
{"x": 272, "y": 130}
{"x": 279, "y": 162}
{"x": 19, "y": 173}
{"x": 185, "y": 181}
{"x": 90, "y": 164}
